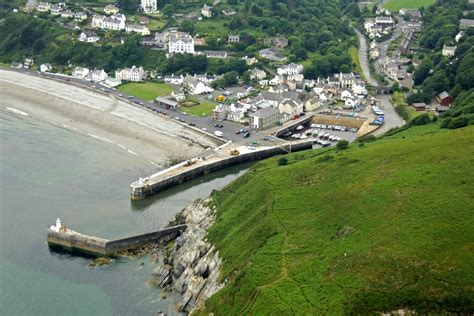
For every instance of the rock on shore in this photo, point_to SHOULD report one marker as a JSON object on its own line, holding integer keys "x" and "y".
{"x": 192, "y": 266}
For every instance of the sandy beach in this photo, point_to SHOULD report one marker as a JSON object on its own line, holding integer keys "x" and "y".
{"x": 103, "y": 117}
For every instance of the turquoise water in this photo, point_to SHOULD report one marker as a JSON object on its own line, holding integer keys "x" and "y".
{"x": 48, "y": 172}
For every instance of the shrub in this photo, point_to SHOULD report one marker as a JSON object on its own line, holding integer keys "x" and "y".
{"x": 421, "y": 120}
{"x": 342, "y": 144}
{"x": 282, "y": 161}
{"x": 458, "y": 122}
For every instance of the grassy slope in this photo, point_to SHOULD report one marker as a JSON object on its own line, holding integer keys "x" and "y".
{"x": 354, "y": 53}
{"x": 376, "y": 228}
{"x": 147, "y": 90}
{"x": 395, "y": 5}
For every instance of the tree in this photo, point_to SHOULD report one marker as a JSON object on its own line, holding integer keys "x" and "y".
{"x": 342, "y": 144}
{"x": 283, "y": 161}
{"x": 187, "y": 26}
{"x": 168, "y": 10}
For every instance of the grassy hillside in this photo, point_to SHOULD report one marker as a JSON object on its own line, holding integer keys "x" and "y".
{"x": 395, "y": 5}
{"x": 373, "y": 228}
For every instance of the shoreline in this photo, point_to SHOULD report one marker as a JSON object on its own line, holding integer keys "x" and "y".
{"x": 103, "y": 117}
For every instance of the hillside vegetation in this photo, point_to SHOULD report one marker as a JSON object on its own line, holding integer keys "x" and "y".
{"x": 378, "y": 227}
{"x": 395, "y": 5}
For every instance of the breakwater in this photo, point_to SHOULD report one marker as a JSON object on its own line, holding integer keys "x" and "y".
{"x": 220, "y": 159}
{"x": 72, "y": 240}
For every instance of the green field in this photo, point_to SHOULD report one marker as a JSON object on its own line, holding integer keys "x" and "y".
{"x": 373, "y": 228}
{"x": 202, "y": 109}
{"x": 354, "y": 53}
{"x": 395, "y": 5}
{"x": 146, "y": 90}
{"x": 213, "y": 26}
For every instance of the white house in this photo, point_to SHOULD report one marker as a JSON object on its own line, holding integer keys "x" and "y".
{"x": 249, "y": 61}
{"x": 80, "y": 72}
{"x": 291, "y": 107}
{"x": 137, "y": 28}
{"x": 112, "y": 82}
{"x": 130, "y": 74}
{"x": 257, "y": 74}
{"x": 80, "y": 16}
{"x": 43, "y": 7}
{"x": 98, "y": 75}
{"x": 358, "y": 87}
{"x": 148, "y": 6}
{"x": 206, "y": 11}
{"x": 291, "y": 69}
{"x": 114, "y": 22}
{"x": 174, "y": 79}
{"x": 56, "y": 9}
{"x": 68, "y": 14}
{"x": 193, "y": 86}
{"x": 89, "y": 37}
{"x": 346, "y": 95}
{"x": 276, "y": 81}
{"x": 46, "y": 67}
{"x": 448, "y": 51}
{"x": 180, "y": 43}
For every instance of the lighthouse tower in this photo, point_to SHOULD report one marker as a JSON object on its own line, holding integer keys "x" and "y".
{"x": 56, "y": 227}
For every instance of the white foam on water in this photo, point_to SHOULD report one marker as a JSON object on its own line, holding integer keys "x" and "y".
{"x": 132, "y": 152}
{"x": 16, "y": 111}
{"x": 101, "y": 138}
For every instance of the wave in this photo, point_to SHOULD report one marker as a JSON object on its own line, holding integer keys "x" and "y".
{"x": 132, "y": 152}
{"x": 17, "y": 111}
{"x": 101, "y": 138}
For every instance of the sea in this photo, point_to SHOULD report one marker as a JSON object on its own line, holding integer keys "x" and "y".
{"x": 49, "y": 171}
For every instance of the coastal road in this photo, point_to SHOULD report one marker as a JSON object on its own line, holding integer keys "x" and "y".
{"x": 364, "y": 63}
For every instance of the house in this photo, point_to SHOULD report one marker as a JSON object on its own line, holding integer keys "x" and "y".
{"x": 392, "y": 71}
{"x": 67, "y": 14}
{"x": 237, "y": 115}
{"x": 130, "y": 74}
{"x": 80, "y": 16}
{"x": 345, "y": 95}
{"x": 178, "y": 96}
{"x": 228, "y": 12}
{"x": 98, "y": 75}
{"x": 441, "y": 109}
{"x": 80, "y": 72}
{"x": 291, "y": 107}
{"x": 265, "y": 118}
{"x": 137, "y": 28}
{"x": 43, "y": 7}
{"x": 466, "y": 23}
{"x": 111, "y": 9}
{"x": 312, "y": 104}
{"x": 16, "y": 65}
{"x": 220, "y": 112}
{"x": 257, "y": 74}
{"x": 233, "y": 38}
{"x": 30, "y": 5}
{"x": 207, "y": 79}
{"x": 421, "y": 106}
{"x": 346, "y": 80}
{"x": 358, "y": 88}
{"x": 114, "y": 22}
{"x": 415, "y": 15}
{"x": 180, "y": 43}
{"x": 112, "y": 82}
{"x": 384, "y": 21}
{"x": 193, "y": 86}
{"x": 290, "y": 69}
{"x": 28, "y": 62}
{"x": 444, "y": 99}
{"x": 448, "y": 51}
{"x": 56, "y": 9}
{"x": 46, "y": 67}
{"x": 206, "y": 11}
{"x": 249, "y": 61}
{"x": 173, "y": 79}
{"x": 221, "y": 54}
{"x": 277, "y": 80}
{"x": 87, "y": 36}
{"x": 149, "y": 6}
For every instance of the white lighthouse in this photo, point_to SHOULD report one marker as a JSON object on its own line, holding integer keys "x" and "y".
{"x": 56, "y": 227}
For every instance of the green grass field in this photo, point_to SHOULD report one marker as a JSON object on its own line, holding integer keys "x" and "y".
{"x": 369, "y": 229}
{"x": 202, "y": 109}
{"x": 395, "y": 5}
{"x": 354, "y": 53}
{"x": 146, "y": 90}
{"x": 213, "y": 26}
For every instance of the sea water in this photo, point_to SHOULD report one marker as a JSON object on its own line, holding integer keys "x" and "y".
{"x": 48, "y": 172}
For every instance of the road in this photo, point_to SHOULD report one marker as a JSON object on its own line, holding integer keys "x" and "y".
{"x": 364, "y": 63}
{"x": 392, "y": 119}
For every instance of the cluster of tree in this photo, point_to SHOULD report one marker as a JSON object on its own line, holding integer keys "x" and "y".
{"x": 437, "y": 73}
{"x": 314, "y": 29}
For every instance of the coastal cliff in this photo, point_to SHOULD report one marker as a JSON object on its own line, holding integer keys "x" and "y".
{"x": 191, "y": 267}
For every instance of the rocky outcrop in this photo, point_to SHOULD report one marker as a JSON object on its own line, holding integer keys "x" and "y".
{"x": 191, "y": 267}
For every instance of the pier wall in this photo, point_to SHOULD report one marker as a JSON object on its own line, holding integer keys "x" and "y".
{"x": 294, "y": 124}
{"x": 99, "y": 246}
{"x": 197, "y": 171}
